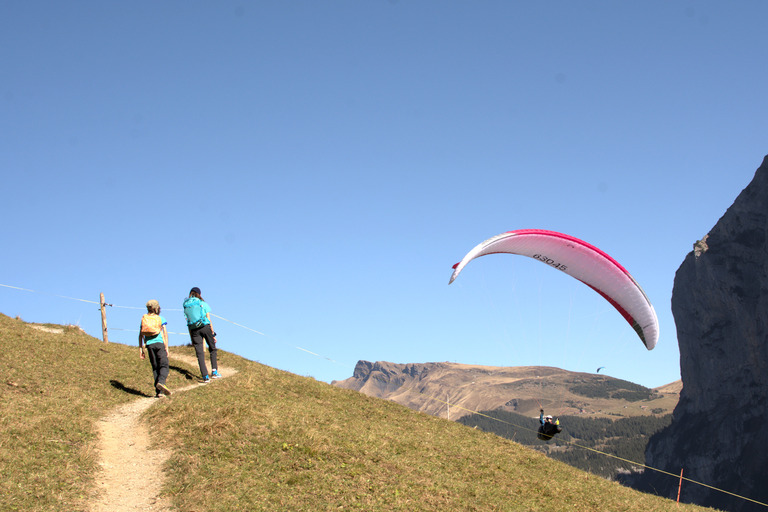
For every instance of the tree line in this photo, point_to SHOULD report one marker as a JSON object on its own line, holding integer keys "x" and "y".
{"x": 612, "y": 388}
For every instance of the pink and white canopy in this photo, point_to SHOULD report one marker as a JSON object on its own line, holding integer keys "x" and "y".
{"x": 584, "y": 262}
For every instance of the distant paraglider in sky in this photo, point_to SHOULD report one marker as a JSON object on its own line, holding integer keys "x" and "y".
{"x": 601, "y": 368}
{"x": 584, "y": 262}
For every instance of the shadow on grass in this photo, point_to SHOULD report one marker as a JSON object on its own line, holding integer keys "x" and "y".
{"x": 122, "y": 387}
{"x": 185, "y": 373}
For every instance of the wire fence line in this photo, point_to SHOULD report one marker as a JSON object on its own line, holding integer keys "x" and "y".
{"x": 104, "y": 304}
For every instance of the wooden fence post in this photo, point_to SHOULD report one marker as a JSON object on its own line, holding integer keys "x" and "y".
{"x": 103, "y": 318}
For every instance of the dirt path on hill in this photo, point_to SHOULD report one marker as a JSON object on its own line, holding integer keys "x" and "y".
{"x": 131, "y": 473}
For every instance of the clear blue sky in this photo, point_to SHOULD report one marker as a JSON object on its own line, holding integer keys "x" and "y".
{"x": 317, "y": 167}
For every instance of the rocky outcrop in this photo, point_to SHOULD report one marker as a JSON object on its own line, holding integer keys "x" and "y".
{"x": 719, "y": 435}
{"x": 381, "y": 379}
{"x": 425, "y": 387}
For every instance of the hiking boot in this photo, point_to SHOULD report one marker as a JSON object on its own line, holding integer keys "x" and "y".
{"x": 215, "y": 374}
{"x": 163, "y": 388}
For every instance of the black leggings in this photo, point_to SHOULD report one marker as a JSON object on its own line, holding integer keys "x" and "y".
{"x": 200, "y": 336}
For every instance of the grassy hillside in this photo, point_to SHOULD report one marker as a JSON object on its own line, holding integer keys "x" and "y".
{"x": 54, "y": 387}
{"x": 262, "y": 440}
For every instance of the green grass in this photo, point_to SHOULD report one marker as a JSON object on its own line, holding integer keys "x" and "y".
{"x": 263, "y": 439}
{"x": 53, "y": 389}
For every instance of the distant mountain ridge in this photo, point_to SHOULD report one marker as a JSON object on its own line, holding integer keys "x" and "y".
{"x": 453, "y": 390}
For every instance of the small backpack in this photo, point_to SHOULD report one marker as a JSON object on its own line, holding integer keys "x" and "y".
{"x": 193, "y": 310}
{"x": 151, "y": 325}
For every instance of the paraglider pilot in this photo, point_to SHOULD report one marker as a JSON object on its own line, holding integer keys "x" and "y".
{"x": 548, "y": 428}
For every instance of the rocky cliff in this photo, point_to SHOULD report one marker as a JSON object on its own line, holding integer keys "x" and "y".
{"x": 719, "y": 435}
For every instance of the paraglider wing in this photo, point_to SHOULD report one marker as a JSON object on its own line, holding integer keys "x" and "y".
{"x": 584, "y": 262}
{"x": 598, "y": 370}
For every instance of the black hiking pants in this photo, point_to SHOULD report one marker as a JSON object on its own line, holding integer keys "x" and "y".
{"x": 199, "y": 337}
{"x": 158, "y": 357}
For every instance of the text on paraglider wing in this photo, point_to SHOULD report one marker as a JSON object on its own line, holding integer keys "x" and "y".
{"x": 550, "y": 262}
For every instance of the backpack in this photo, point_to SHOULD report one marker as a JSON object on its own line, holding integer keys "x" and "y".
{"x": 193, "y": 310}
{"x": 151, "y": 325}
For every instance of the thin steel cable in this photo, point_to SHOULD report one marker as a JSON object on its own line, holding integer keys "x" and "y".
{"x": 172, "y": 309}
{"x": 676, "y": 476}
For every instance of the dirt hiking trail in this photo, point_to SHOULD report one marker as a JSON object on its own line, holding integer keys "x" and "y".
{"x": 131, "y": 473}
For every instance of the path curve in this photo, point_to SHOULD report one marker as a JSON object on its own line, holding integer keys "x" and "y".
{"x": 130, "y": 476}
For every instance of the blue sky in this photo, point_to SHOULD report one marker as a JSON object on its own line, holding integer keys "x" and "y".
{"x": 316, "y": 168}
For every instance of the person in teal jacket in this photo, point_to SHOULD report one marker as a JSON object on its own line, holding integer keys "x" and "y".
{"x": 198, "y": 314}
{"x": 154, "y": 335}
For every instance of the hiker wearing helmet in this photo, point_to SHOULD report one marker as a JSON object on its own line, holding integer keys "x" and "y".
{"x": 549, "y": 427}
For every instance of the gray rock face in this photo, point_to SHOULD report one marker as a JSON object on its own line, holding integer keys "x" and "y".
{"x": 380, "y": 379}
{"x": 719, "y": 434}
